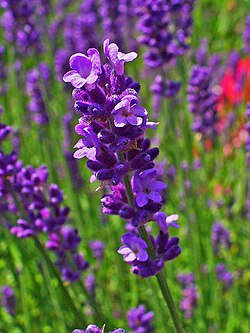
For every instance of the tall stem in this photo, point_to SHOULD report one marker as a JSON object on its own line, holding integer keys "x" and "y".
{"x": 77, "y": 314}
{"x": 160, "y": 276}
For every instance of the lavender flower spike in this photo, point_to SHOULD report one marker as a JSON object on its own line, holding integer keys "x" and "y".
{"x": 85, "y": 70}
{"x": 133, "y": 248}
{"x": 117, "y": 58}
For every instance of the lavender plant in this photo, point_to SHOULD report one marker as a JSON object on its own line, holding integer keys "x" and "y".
{"x": 112, "y": 126}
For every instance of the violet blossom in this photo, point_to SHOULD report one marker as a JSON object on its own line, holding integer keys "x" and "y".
{"x": 112, "y": 128}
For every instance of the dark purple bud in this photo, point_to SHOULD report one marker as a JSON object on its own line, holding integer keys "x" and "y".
{"x": 119, "y": 144}
{"x": 139, "y": 161}
{"x": 106, "y": 136}
{"x": 127, "y": 212}
{"x": 104, "y": 174}
{"x": 153, "y": 152}
{"x": 172, "y": 253}
{"x": 94, "y": 166}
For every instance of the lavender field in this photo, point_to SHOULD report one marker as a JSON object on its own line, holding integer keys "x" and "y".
{"x": 124, "y": 166}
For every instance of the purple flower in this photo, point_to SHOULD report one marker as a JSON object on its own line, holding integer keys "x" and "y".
{"x": 165, "y": 221}
{"x": 139, "y": 320}
{"x": 97, "y": 248}
{"x": 224, "y": 276}
{"x": 8, "y": 299}
{"x": 189, "y": 294}
{"x": 146, "y": 187}
{"x": 85, "y": 70}
{"x": 117, "y": 58}
{"x": 134, "y": 248}
{"x": 128, "y": 112}
{"x": 220, "y": 236}
{"x": 86, "y": 146}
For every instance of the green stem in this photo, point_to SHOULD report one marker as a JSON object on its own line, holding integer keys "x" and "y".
{"x": 51, "y": 266}
{"x": 160, "y": 276}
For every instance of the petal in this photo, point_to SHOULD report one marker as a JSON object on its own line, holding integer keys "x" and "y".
{"x": 92, "y": 78}
{"x": 120, "y": 120}
{"x": 69, "y": 75}
{"x": 171, "y": 218}
{"x": 141, "y": 199}
{"x": 157, "y": 186}
{"x": 130, "y": 257}
{"x": 127, "y": 57}
{"x": 95, "y": 60}
{"x": 91, "y": 153}
{"x": 80, "y": 153}
{"x": 139, "y": 110}
{"x": 79, "y": 144}
{"x": 121, "y": 105}
{"x": 133, "y": 120}
{"x": 142, "y": 255}
{"x": 105, "y": 47}
{"x": 124, "y": 250}
{"x": 81, "y": 63}
{"x": 152, "y": 125}
{"x": 113, "y": 53}
{"x": 155, "y": 196}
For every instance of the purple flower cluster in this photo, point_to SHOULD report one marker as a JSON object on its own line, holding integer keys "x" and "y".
{"x": 112, "y": 127}
{"x": 202, "y": 101}
{"x": 163, "y": 89}
{"x": 20, "y": 23}
{"x": 246, "y": 35}
{"x": 8, "y": 299}
{"x": 37, "y": 105}
{"x": 139, "y": 320}
{"x": 38, "y": 208}
{"x": 224, "y": 276}
{"x": 165, "y": 28}
{"x": 95, "y": 329}
{"x": 220, "y": 236}
{"x": 189, "y": 294}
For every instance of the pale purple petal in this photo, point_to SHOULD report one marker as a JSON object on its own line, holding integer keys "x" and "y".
{"x": 105, "y": 46}
{"x": 81, "y": 63}
{"x": 152, "y": 125}
{"x": 92, "y": 78}
{"x": 124, "y": 250}
{"x": 79, "y": 144}
{"x": 91, "y": 153}
{"x": 80, "y": 153}
{"x": 113, "y": 53}
{"x": 127, "y": 57}
{"x": 96, "y": 60}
